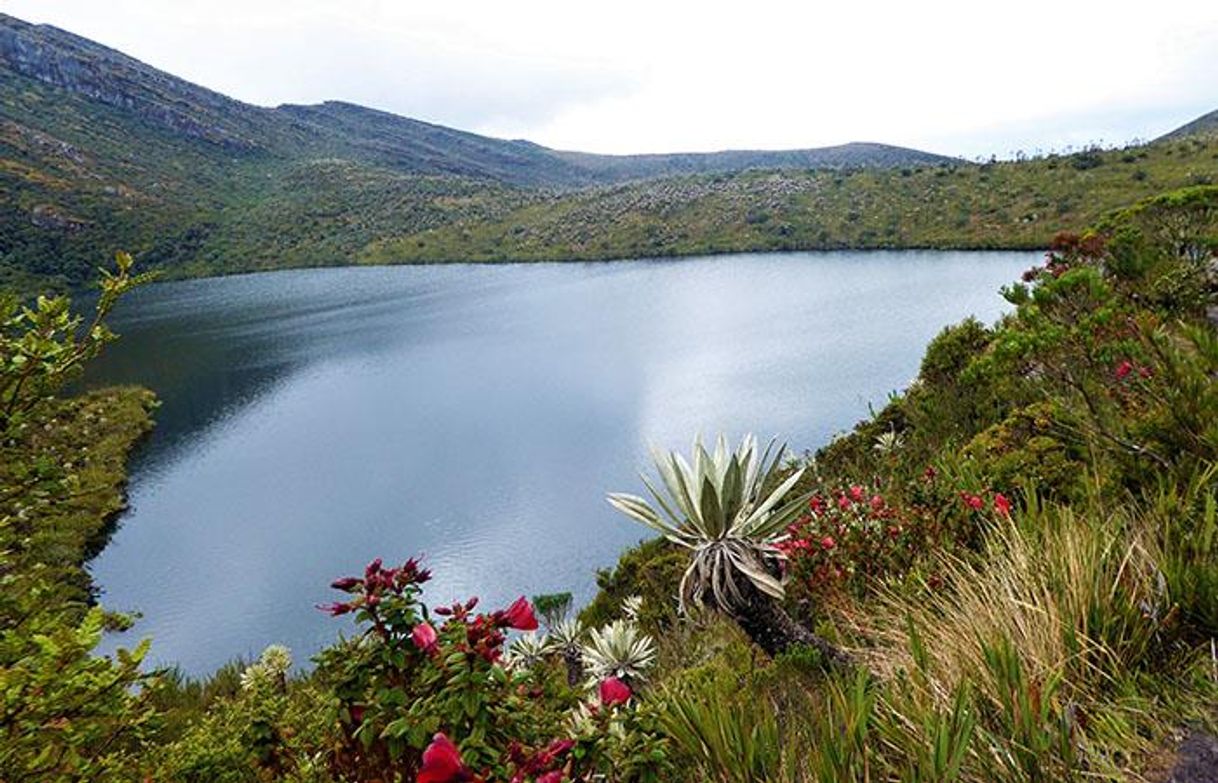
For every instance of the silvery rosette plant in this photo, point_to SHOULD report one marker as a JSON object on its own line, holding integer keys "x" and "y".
{"x": 618, "y": 650}
{"x": 730, "y": 509}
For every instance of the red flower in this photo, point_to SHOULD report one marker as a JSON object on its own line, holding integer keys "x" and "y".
{"x": 1123, "y": 369}
{"x": 346, "y": 583}
{"x": 972, "y": 501}
{"x": 519, "y": 616}
{"x": 335, "y": 609}
{"x": 424, "y": 637}
{"x": 559, "y": 747}
{"x": 827, "y": 543}
{"x": 442, "y": 763}
{"x": 551, "y": 777}
{"x": 856, "y": 493}
{"x": 613, "y": 692}
{"x": 1001, "y": 504}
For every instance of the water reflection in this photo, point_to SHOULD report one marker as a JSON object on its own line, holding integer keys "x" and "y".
{"x": 313, "y": 420}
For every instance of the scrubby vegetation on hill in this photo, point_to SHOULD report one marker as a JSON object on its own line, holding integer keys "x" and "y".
{"x": 100, "y": 151}
{"x": 1009, "y": 204}
{"x": 1007, "y": 574}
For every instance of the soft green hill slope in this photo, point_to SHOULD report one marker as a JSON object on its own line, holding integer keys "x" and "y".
{"x": 1010, "y": 204}
{"x": 100, "y": 151}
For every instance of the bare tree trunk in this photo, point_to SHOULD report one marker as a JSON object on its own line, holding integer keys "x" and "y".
{"x": 770, "y": 627}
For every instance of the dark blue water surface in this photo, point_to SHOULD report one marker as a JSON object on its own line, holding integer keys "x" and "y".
{"x": 313, "y": 420}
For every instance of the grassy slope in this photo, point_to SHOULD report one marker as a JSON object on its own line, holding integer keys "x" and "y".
{"x": 84, "y": 441}
{"x": 1000, "y": 205}
{"x": 104, "y": 183}
{"x": 1093, "y": 607}
{"x": 337, "y": 184}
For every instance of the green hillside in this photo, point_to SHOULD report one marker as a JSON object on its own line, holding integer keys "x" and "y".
{"x": 998, "y": 205}
{"x": 99, "y": 151}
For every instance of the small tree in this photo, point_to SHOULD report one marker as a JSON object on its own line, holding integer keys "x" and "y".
{"x": 730, "y": 510}
{"x": 44, "y": 346}
{"x": 66, "y": 713}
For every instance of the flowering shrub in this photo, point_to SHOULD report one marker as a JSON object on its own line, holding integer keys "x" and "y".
{"x": 847, "y": 537}
{"x": 854, "y": 536}
{"x": 997, "y": 502}
{"x": 426, "y": 694}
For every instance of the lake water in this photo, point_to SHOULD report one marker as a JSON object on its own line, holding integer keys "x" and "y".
{"x": 477, "y": 415}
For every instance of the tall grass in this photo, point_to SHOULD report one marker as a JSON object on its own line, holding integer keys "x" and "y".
{"x": 1078, "y": 597}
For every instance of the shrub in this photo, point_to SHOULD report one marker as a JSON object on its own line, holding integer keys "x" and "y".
{"x": 1027, "y": 447}
{"x": 404, "y": 683}
{"x": 68, "y": 715}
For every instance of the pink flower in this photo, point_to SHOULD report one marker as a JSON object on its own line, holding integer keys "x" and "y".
{"x": 424, "y": 637}
{"x": 551, "y": 777}
{"x": 442, "y": 763}
{"x": 1123, "y": 369}
{"x": 613, "y": 692}
{"x": 828, "y": 543}
{"x": 335, "y": 609}
{"x": 856, "y": 493}
{"x": 1001, "y": 504}
{"x": 519, "y": 616}
{"x": 972, "y": 501}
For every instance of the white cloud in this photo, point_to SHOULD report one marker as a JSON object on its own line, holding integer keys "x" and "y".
{"x": 953, "y": 76}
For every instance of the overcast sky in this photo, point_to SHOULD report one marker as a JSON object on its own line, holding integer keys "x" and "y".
{"x": 967, "y": 77}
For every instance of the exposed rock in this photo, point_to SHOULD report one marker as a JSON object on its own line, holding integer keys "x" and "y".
{"x": 31, "y": 140}
{"x": 66, "y": 61}
{"x": 59, "y": 58}
{"x": 52, "y": 218}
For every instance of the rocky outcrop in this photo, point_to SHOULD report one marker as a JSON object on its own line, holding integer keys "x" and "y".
{"x": 101, "y": 74}
{"x": 69, "y": 62}
{"x": 52, "y": 218}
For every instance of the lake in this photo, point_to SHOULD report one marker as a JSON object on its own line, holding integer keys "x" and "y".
{"x": 477, "y": 415}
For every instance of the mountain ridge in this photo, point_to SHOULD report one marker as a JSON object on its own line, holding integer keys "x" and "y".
{"x": 100, "y": 152}
{"x": 71, "y": 62}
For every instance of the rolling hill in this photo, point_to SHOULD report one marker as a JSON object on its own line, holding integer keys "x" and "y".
{"x": 100, "y": 152}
